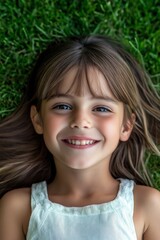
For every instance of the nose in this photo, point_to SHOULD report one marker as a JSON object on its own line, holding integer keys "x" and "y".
{"x": 81, "y": 120}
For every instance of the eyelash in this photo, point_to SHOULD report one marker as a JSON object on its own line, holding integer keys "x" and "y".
{"x": 66, "y": 107}
{"x": 105, "y": 109}
{"x": 62, "y": 107}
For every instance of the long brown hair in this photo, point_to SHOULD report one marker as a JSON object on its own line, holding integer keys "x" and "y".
{"x": 24, "y": 158}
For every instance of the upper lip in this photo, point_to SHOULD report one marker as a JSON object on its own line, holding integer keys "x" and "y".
{"x": 80, "y": 138}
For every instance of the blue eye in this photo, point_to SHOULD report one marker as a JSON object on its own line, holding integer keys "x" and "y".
{"x": 62, "y": 107}
{"x": 102, "y": 109}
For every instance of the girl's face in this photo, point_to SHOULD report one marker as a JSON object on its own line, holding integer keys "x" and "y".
{"x": 82, "y": 130}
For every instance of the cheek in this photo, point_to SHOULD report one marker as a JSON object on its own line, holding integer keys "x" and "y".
{"x": 53, "y": 122}
{"x": 52, "y": 125}
{"x": 111, "y": 126}
{"x": 50, "y": 132}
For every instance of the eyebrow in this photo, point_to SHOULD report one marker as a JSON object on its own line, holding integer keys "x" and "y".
{"x": 106, "y": 98}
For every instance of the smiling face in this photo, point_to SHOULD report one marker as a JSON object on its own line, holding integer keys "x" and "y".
{"x": 80, "y": 129}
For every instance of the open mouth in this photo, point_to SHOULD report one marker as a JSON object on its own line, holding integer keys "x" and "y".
{"x": 80, "y": 142}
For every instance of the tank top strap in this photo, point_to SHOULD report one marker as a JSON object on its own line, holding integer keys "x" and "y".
{"x": 125, "y": 193}
{"x": 38, "y": 193}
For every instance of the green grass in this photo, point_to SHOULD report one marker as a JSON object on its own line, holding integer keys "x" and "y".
{"x": 27, "y": 26}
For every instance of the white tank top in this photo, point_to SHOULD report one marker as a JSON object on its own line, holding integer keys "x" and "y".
{"x": 106, "y": 221}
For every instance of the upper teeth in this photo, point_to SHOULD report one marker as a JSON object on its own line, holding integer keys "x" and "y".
{"x": 81, "y": 142}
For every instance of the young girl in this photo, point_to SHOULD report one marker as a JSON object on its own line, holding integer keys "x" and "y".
{"x": 73, "y": 152}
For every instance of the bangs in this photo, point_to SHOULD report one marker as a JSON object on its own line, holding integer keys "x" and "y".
{"x": 107, "y": 61}
{"x": 77, "y": 80}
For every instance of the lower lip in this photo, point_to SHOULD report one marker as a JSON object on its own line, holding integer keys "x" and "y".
{"x": 79, "y": 146}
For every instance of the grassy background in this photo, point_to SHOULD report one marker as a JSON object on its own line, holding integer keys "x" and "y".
{"x": 26, "y": 26}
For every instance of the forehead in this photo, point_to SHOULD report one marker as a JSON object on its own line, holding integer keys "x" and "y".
{"x": 81, "y": 82}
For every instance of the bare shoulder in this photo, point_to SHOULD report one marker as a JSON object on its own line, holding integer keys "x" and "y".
{"x": 147, "y": 201}
{"x": 17, "y": 200}
{"x": 15, "y": 211}
{"x": 13, "y": 195}
{"x": 147, "y": 195}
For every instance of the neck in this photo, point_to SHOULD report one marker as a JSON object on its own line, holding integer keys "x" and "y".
{"x": 83, "y": 182}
